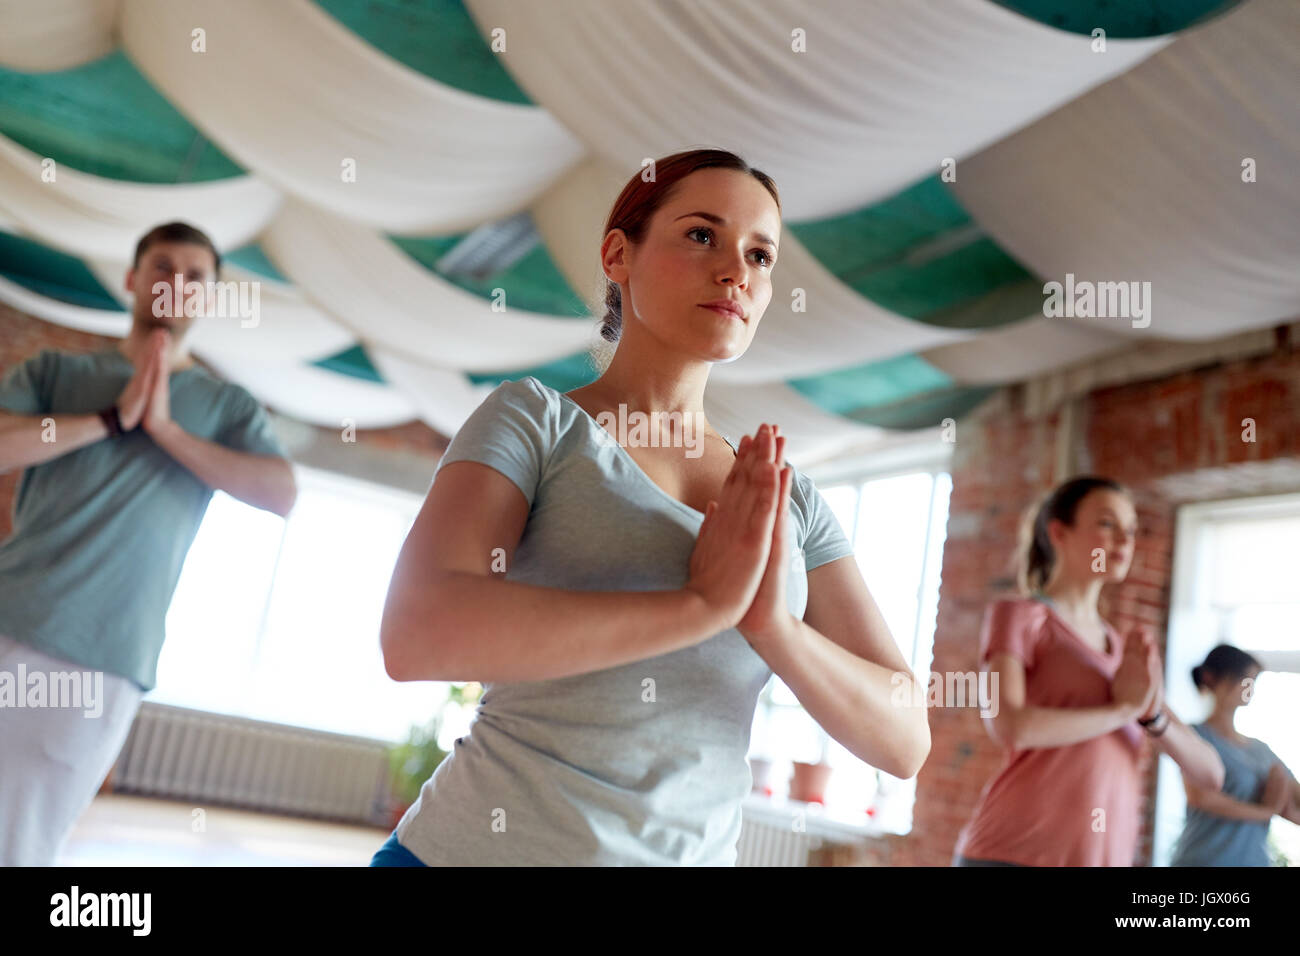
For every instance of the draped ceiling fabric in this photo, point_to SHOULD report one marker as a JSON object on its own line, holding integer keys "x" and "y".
{"x": 55, "y": 34}
{"x": 372, "y": 287}
{"x": 92, "y": 217}
{"x": 886, "y": 90}
{"x": 428, "y": 158}
{"x": 1221, "y": 254}
{"x": 922, "y": 293}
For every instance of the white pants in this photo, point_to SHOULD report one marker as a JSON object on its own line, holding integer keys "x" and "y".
{"x": 54, "y": 757}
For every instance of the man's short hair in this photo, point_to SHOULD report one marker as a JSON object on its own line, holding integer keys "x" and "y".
{"x": 177, "y": 232}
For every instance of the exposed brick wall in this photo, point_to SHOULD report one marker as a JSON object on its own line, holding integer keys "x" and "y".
{"x": 22, "y": 336}
{"x": 1171, "y": 440}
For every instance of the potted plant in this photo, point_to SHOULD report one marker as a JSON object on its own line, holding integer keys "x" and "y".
{"x": 415, "y": 759}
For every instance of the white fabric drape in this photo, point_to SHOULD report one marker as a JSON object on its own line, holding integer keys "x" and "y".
{"x": 95, "y": 321}
{"x": 885, "y": 92}
{"x": 1138, "y": 178}
{"x": 443, "y": 398}
{"x": 1141, "y": 181}
{"x": 812, "y": 434}
{"x": 55, "y": 34}
{"x": 97, "y": 218}
{"x": 314, "y": 395}
{"x": 292, "y": 94}
{"x": 1021, "y": 350}
{"x": 376, "y": 290}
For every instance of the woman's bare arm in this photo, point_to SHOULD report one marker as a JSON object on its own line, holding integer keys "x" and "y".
{"x": 1222, "y": 805}
{"x": 1198, "y": 760}
{"x": 451, "y": 616}
{"x": 846, "y": 670}
{"x": 1022, "y": 727}
{"x": 1292, "y": 811}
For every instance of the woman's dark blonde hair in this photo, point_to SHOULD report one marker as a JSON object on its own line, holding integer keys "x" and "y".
{"x": 640, "y": 199}
{"x": 1037, "y": 557}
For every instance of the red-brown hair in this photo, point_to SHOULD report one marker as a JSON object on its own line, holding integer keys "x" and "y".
{"x": 640, "y": 199}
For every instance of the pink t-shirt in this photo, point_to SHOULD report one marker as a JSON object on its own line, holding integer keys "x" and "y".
{"x": 1058, "y": 806}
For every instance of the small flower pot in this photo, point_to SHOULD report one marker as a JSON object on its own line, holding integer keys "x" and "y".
{"x": 808, "y": 782}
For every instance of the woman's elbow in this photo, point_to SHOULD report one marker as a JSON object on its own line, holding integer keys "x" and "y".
{"x": 914, "y": 750}
{"x": 919, "y": 753}
{"x": 1202, "y": 769}
{"x": 394, "y": 662}
{"x": 395, "y": 645}
{"x": 1212, "y": 774}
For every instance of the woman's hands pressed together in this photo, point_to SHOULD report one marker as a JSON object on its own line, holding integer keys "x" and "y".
{"x": 1137, "y": 681}
{"x": 1145, "y": 636}
{"x": 770, "y": 607}
{"x": 739, "y": 564}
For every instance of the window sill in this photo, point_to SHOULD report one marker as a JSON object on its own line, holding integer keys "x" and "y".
{"x": 836, "y": 827}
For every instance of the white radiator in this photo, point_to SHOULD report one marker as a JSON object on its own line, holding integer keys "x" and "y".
{"x": 764, "y": 843}
{"x": 202, "y": 757}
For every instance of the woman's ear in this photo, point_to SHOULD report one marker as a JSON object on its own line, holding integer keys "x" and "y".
{"x": 613, "y": 256}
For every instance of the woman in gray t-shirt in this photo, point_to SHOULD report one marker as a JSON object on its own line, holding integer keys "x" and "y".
{"x": 1230, "y": 828}
{"x": 624, "y": 585}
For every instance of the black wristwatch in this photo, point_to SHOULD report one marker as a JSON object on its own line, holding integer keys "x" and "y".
{"x": 112, "y": 420}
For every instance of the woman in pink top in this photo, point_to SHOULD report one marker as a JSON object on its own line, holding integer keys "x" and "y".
{"x": 1073, "y": 697}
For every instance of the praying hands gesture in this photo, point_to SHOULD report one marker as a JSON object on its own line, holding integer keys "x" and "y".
{"x": 133, "y": 405}
{"x": 157, "y": 415}
{"x": 1137, "y": 682}
{"x": 263, "y": 481}
{"x": 741, "y": 555}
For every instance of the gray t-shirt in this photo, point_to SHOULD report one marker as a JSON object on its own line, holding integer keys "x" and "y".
{"x": 100, "y": 533}
{"x": 640, "y": 764}
{"x": 1211, "y": 840}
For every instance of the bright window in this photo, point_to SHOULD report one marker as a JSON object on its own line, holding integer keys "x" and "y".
{"x": 897, "y": 525}
{"x": 1235, "y": 573}
{"x": 278, "y": 619}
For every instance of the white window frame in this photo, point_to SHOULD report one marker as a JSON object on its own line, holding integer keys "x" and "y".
{"x": 1194, "y": 628}
{"x": 909, "y": 454}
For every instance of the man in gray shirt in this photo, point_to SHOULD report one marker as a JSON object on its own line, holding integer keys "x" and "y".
{"x": 122, "y": 450}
